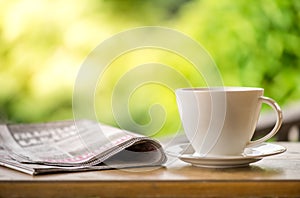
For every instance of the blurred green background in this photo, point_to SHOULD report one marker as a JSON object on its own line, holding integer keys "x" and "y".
{"x": 44, "y": 42}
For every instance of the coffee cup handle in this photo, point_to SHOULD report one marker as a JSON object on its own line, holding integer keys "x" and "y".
{"x": 277, "y": 126}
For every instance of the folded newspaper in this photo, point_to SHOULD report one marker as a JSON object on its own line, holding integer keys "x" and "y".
{"x": 66, "y": 146}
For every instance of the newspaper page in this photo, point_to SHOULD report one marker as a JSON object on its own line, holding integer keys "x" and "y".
{"x": 75, "y": 146}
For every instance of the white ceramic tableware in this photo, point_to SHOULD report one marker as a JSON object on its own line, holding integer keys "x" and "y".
{"x": 221, "y": 121}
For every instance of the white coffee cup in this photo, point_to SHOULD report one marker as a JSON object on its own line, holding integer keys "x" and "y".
{"x": 221, "y": 121}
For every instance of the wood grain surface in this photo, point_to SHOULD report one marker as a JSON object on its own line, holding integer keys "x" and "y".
{"x": 274, "y": 176}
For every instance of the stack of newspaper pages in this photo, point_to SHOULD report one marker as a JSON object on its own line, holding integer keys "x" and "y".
{"x": 66, "y": 146}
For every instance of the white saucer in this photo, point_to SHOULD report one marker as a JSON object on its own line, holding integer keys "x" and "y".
{"x": 251, "y": 154}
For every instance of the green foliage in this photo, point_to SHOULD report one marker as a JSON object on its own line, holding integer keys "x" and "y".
{"x": 253, "y": 43}
{"x": 43, "y": 43}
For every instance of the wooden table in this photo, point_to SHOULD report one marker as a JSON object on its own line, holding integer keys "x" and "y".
{"x": 275, "y": 176}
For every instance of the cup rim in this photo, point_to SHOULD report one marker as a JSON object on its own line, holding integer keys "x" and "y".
{"x": 220, "y": 89}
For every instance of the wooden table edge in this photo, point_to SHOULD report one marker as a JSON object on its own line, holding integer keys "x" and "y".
{"x": 152, "y": 188}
